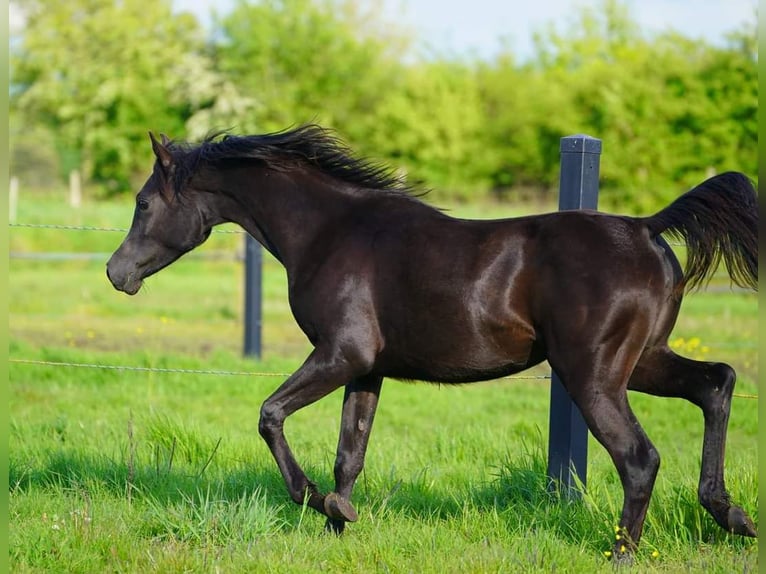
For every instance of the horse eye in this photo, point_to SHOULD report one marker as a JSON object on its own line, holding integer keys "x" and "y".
{"x": 143, "y": 205}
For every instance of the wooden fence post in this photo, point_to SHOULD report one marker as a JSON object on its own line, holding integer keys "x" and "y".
{"x": 13, "y": 199}
{"x": 75, "y": 189}
{"x": 568, "y": 434}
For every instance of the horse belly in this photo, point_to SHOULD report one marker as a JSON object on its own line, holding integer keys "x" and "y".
{"x": 454, "y": 351}
{"x": 462, "y": 317}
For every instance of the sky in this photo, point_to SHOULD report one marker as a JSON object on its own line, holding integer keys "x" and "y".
{"x": 475, "y": 26}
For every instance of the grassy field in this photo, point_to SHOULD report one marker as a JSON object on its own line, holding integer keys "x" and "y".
{"x": 149, "y": 471}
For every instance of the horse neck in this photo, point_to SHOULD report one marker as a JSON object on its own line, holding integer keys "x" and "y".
{"x": 284, "y": 211}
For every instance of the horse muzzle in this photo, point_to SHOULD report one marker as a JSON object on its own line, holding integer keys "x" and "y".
{"x": 124, "y": 278}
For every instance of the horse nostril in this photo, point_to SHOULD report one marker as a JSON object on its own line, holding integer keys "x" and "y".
{"x": 108, "y": 274}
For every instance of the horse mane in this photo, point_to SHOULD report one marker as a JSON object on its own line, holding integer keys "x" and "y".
{"x": 308, "y": 145}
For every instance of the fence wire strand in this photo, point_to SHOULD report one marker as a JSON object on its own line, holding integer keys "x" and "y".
{"x": 235, "y": 373}
{"x": 193, "y": 371}
{"x": 91, "y": 228}
{"x": 146, "y": 369}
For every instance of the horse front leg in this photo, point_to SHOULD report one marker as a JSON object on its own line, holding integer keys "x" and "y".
{"x": 319, "y": 375}
{"x": 359, "y": 405}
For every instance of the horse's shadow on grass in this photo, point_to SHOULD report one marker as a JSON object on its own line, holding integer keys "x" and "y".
{"x": 518, "y": 498}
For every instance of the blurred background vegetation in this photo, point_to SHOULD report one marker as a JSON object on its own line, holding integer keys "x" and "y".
{"x": 89, "y": 78}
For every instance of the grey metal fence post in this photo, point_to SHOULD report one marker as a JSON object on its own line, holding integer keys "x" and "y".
{"x": 253, "y": 305}
{"x": 568, "y": 434}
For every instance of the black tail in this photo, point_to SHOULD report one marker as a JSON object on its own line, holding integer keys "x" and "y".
{"x": 717, "y": 219}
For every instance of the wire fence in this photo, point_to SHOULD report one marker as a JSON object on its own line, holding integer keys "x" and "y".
{"x": 197, "y": 371}
{"x": 132, "y": 368}
{"x": 215, "y": 372}
{"x": 91, "y": 228}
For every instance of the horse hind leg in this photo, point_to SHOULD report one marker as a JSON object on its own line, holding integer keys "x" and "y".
{"x": 597, "y": 382}
{"x": 710, "y": 386}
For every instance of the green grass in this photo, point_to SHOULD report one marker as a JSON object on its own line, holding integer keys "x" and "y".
{"x": 134, "y": 471}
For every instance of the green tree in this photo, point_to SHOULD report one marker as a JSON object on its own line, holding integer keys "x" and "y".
{"x": 431, "y": 125}
{"x": 331, "y": 62}
{"x": 307, "y": 60}
{"x": 525, "y": 116}
{"x": 98, "y": 74}
{"x": 669, "y": 110}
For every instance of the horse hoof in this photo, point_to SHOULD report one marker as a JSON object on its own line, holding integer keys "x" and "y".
{"x": 740, "y": 523}
{"x": 338, "y": 508}
{"x": 625, "y": 559}
{"x": 335, "y": 527}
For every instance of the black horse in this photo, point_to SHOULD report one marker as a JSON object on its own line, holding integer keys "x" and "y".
{"x": 385, "y": 286}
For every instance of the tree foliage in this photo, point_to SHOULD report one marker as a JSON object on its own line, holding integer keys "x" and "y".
{"x": 430, "y": 126}
{"x": 97, "y": 74}
{"x": 304, "y": 60}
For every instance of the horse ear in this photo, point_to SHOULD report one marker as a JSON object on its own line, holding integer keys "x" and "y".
{"x": 167, "y": 164}
{"x": 161, "y": 151}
